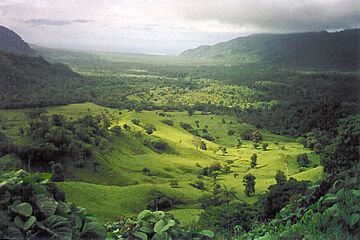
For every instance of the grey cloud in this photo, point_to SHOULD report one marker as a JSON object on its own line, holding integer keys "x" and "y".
{"x": 276, "y": 15}
{"x": 50, "y": 22}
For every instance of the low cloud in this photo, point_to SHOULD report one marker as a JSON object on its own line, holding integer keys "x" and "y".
{"x": 50, "y": 22}
{"x": 275, "y": 15}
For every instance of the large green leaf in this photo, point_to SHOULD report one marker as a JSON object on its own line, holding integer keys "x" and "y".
{"x": 353, "y": 219}
{"x": 23, "y": 209}
{"x": 46, "y": 205}
{"x": 144, "y": 214}
{"x": 13, "y": 233}
{"x": 93, "y": 230}
{"x": 59, "y": 226}
{"x": 162, "y": 236}
{"x": 146, "y": 229}
{"x": 159, "y": 226}
{"x": 207, "y": 233}
{"x": 140, "y": 235}
{"x": 24, "y": 225}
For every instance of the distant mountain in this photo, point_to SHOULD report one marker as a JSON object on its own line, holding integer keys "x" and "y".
{"x": 13, "y": 43}
{"x": 34, "y": 82}
{"x": 324, "y": 50}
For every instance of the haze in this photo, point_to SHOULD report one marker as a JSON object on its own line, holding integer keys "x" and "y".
{"x": 167, "y": 26}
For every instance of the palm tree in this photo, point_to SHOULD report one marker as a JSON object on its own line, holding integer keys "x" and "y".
{"x": 227, "y": 195}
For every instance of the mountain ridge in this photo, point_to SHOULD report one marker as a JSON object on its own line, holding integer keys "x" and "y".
{"x": 328, "y": 50}
{"x": 11, "y": 42}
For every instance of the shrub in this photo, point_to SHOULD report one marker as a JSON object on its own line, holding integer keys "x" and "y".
{"x": 159, "y": 145}
{"x": 135, "y": 121}
{"x": 174, "y": 184}
{"x": 208, "y": 137}
{"x": 146, "y": 171}
{"x": 231, "y": 132}
{"x": 149, "y": 128}
{"x": 199, "y": 185}
{"x": 158, "y": 200}
{"x": 186, "y": 126}
{"x": 198, "y": 143}
{"x": 168, "y": 122}
{"x": 247, "y": 134}
{"x": 264, "y": 146}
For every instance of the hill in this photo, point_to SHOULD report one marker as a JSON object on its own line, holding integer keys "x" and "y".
{"x": 324, "y": 50}
{"x": 12, "y": 42}
{"x": 33, "y": 82}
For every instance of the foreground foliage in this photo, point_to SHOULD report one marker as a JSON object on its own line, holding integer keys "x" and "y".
{"x": 155, "y": 225}
{"x": 31, "y": 207}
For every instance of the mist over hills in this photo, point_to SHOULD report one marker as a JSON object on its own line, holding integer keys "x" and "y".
{"x": 316, "y": 50}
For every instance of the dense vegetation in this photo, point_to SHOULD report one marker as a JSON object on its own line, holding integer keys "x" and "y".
{"x": 33, "y": 82}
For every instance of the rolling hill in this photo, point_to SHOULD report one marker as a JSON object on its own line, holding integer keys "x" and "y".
{"x": 314, "y": 50}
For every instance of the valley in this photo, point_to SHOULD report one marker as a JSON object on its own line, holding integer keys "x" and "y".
{"x": 253, "y": 138}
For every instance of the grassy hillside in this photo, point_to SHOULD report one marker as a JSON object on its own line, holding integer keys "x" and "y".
{"x": 120, "y": 185}
{"x": 316, "y": 50}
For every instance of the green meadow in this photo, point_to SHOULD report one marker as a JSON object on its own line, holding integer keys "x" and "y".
{"x": 119, "y": 186}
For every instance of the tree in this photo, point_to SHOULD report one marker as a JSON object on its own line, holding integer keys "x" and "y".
{"x": 264, "y": 146}
{"x": 256, "y": 145}
{"x": 257, "y": 137}
{"x": 174, "y": 184}
{"x": 231, "y": 132}
{"x": 146, "y": 171}
{"x": 198, "y": 143}
{"x": 303, "y": 160}
{"x": 21, "y": 131}
{"x": 227, "y": 169}
{"x": 238, "y": 143}
{"x": 253, "y": 160}
{"x": 223, "y": 150}
{"x": 57, "y": 172}
{"x": 280, "y": 177}
{"x": 149, "y": 128}
{"x": 249, "y": 183}
{"x": 135, "y": 121}
{"x": 190, "y": 111}
{"x": 226, "y": 195}
{"x": 197, "y": 123}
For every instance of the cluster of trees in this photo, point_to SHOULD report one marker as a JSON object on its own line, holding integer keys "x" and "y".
{"x": 51, "y": 138}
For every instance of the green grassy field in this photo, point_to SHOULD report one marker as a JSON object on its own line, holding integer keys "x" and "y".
{"x": 120, "y": 188}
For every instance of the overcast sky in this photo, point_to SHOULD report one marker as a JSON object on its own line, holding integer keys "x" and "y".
{"x": 167, "y": 26}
